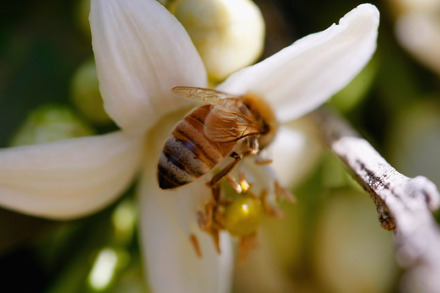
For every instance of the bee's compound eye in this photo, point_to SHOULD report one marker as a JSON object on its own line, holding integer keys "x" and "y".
{"x": 243, "y": 216}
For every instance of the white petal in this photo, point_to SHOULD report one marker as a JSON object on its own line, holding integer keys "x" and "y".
{"x": 302, "y": 76}
{"x": 168, "y": 219}
{"x": 141, "y": 52}
{"x": 69, "y": 178}
{"x": 294, "y": 152}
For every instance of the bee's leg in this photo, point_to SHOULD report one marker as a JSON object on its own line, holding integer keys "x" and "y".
{"x": 252, "y": 148}
{"x": 215, "y": 191}
{"x": 225, "y": 171}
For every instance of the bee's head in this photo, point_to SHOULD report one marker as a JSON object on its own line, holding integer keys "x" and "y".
{"x": 264, "y": 113}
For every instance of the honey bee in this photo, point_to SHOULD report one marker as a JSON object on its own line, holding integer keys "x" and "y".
{"x": 227, "y": 125}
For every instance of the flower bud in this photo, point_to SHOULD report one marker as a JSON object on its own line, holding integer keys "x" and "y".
{"x": 228, "y": 34}
{"x": 86, "y": 95}
{"x": 50, "y": 123}
{"x": 417, "y": 27}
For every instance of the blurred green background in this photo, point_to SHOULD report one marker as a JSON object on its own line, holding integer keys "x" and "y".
{"x": 330, "y": 240}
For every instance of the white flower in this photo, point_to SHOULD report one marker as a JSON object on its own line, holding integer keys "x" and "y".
{"x": 142, "y": 52}
{"x": 418, "y": 30}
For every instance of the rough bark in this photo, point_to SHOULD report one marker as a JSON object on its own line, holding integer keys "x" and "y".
{"x": 404, "y": 204}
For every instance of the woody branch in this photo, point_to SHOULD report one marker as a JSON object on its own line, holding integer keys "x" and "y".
{"x": 404, "y": 204}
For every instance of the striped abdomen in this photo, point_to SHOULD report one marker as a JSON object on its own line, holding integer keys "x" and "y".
{"x": 188, "y": 153}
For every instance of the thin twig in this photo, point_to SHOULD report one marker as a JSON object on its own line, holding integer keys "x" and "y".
{"x": 404, "y": 204}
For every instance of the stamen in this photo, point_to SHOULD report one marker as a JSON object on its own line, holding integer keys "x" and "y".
{"x": 260, "y": 162}
{"x": 244, "y": 184}
{"x": 216, "y": 236}
{"x": 234, "y": 184}
{"x": 268, "y": 209}
{"x": 247, "y": 243}
{"x": 196, "y": 245}
{"x": 282, "y": 192}
{"x": 209, "y": 222}
{"x": 240, "y": 212}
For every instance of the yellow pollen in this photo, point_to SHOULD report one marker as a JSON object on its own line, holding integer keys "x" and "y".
{"x": 244, "y": 186}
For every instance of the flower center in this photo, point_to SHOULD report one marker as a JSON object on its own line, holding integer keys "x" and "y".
{"x": 235, "y": 208}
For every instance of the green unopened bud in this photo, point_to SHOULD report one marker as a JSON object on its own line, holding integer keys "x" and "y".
{"x": 106, "y": 266}
{"x": 124, "y": 218}
{"x": 86, "y": 95}
{"x": 50, "y": 123}
{"x": 228, "y": 34}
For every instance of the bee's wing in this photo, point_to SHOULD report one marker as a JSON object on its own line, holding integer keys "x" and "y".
{"x": 208, "y": 96}
{"x": 225, "y": 125}
{"x": 225, "y": 122}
